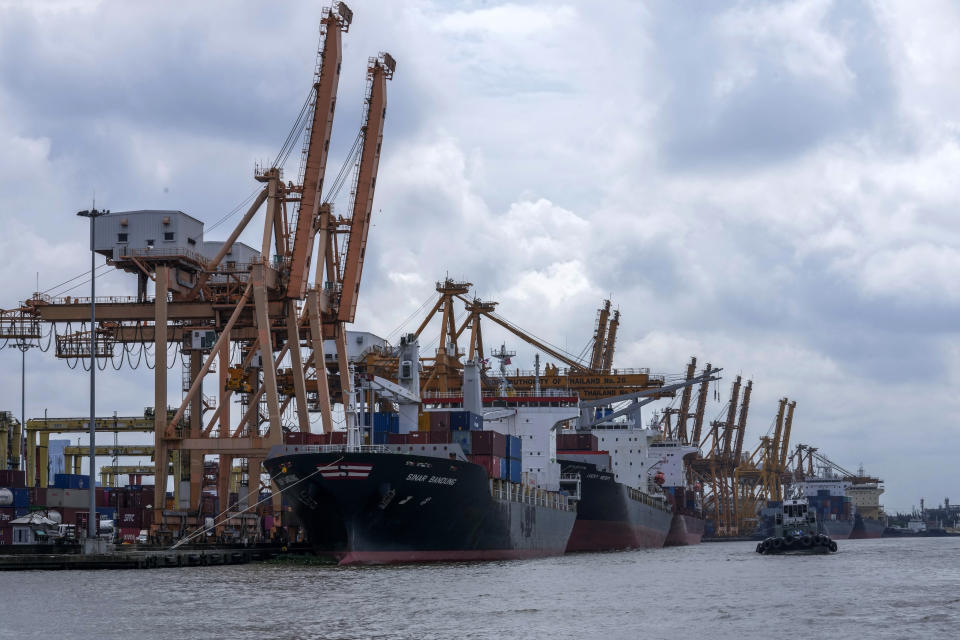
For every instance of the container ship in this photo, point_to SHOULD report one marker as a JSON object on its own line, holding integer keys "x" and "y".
{"x": 669, "y": 459}
{"x": 616, "y": 510}
{"x": 452, "y": 493}
{"x": 827, "y": 495}
{"x": 869, "y": 519}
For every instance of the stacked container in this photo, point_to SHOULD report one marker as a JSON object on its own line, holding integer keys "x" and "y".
{"x": 489, "y": 450}
{"x": 71, "y": 481}
{"x": 514, "y": 458}
{"x": 576, "y": 442}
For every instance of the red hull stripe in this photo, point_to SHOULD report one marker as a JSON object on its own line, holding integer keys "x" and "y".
{"x": 453, "y": 555}
{"x": 602, "y": 535}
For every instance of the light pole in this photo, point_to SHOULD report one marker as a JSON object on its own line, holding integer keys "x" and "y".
{"x": 24, "y": 346}
{"x": 92, "y": 523}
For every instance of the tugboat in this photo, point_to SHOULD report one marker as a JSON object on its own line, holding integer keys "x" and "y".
{"x": 796, "y": 532}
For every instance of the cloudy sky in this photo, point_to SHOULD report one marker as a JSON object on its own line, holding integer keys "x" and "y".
{"x": 767, "y": 186}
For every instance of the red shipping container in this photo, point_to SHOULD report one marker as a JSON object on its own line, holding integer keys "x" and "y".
{"x": 439, "y": 420}
{"x": 491, "y": 464}
{"x": 576, "y": 442}
{"x": 397, "y": 438}
{"x": 337, "y": 437}
{"x": 298, "y": 437}
{"x": 488, "y": 443}
{"x": 38, "y": 497}
{"x": 129, "y": 518}
{"x": 6, "y": 534}
{"x": 129, "y": 535}
{"x": 6, "y": 515}
{"x": 12, "y": 479}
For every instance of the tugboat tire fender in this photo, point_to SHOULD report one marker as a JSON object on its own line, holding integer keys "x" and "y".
{"x": 833, "y": 546}
{"x": 806, "y": 541}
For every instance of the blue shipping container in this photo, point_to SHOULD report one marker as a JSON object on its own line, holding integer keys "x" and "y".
{"x": 19, "y": 512}
{"x": 21, "y": 497}
{"x": 380, "y": 437}
{"x": 514, "y": 448}
{"x": 71, "y": 481}
{"x": 465, "y": 421}
{"x": 516, "y": 470}
{"x": 504, "y": 468}
{"x": 107, "y": 513}
{"x": 463, "y": 439}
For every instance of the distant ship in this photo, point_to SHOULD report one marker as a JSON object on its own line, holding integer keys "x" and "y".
{"x": 869, "y": 520}
{"x": 826, "y": 495}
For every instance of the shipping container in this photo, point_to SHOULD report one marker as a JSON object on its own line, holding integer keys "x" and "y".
{"x": 21, "y": 497}
{"x": 128, "y": 535}
{"x": 380, "y": 437}
{"x": 6, "y": 534}
{"x": 576, "y": 442}
{"x": 12, "y": 478}
{"x": 504, "y": 468}
{"x": 516, "y": 469}
{"x": 397, "y": 438}
{"x": 38, "y": 496}
{"x": 463, "y": 438}
{"x": 71, "y": 481}
{"x": 129, "y": 518}
{"x": 107, "y": 513}
{"x": 466, "y": 421}
{"x": 489, "y": 443}
{"x": 514, "y": 448}
{"x": 439, "y": 420}
{"x": 492, "y": 464}
{"x": 7, "y": 514}
{"x": 21, "y": 511}
{"x": 76, "y": 498}
{"x": 423, "y": 422}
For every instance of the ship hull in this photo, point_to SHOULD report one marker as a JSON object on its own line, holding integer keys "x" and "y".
{"x": 377, "y": 508}
{"x": 864, "y": 528}
{"x": 838, "y": 529}
{"x": 611, "y": 516}
{"x": 685, "y": 529}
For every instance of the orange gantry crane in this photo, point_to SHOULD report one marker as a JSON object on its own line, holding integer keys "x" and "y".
{"x": 442, "y": 372}
{"x": 229, "y": 304}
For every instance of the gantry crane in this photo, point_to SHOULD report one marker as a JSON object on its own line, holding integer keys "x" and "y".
{"x": 442, "y": 373}
{"x": 263, "y": 307}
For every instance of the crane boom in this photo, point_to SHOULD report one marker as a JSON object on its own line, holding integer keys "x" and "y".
{"x": 596, "y": 357}
{"x": 611, "y": 342}
{"x": 379, "y": 70}
{"x": 730, "y": 425}
{"x": 785, "y": 444}
{"x": 335, "y": 21}
{"x": 742, "y": 422}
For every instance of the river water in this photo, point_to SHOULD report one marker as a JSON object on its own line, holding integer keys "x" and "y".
{"x": 888, "y": 588}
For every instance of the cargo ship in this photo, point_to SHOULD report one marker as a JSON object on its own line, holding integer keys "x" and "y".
{"x": 826, "y": 494}
{"x": 668, "y": 459}
{"x": 869, "y": 519}
{"x": 616, "y": 510}
{"x": 423, "y": 500}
